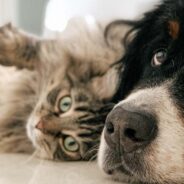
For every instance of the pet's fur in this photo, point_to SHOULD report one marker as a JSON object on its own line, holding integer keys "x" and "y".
{"x": 77, "y": 64}
{"x": 158, "y": 90}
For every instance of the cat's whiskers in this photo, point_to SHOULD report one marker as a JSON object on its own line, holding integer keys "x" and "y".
{"x": 92, "y": 158}
{"x": 91, "y": 150}
{"x": 17, "y": 118}
{"x": 30, "y": 158}
{"x": 17, "y": 102}
{"x": 46, "y": 147}
{"x": 33, "y": 179}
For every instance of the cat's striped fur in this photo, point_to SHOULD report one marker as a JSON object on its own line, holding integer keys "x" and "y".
{"x": 78, "y": 64}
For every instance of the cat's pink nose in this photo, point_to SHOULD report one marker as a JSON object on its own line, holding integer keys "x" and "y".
{"x": 40, "y": 125}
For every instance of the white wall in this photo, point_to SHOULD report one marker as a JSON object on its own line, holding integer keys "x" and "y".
{"x": 60, "y": 11}
{"x": 27, "y": 14}
{"x": 8, "y": 11}
{"x": 31, "y": 15}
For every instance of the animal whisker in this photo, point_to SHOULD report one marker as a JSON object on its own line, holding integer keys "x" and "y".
{"x": 30, "y": 158}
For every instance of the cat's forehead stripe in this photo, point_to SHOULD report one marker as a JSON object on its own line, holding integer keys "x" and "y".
{"x": 81, "y": 97}
{"x": 52, "y": 96}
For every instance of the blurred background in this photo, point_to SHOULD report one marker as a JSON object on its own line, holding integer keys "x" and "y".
{"x": 44, "y": 16}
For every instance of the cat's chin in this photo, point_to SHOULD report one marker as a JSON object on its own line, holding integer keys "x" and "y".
{"x": 35, "y": 135}
{"x": 39, "y": 139}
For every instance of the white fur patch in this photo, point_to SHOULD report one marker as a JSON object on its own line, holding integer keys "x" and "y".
{"x": 164, "y": 157}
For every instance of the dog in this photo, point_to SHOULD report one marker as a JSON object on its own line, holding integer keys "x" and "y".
{"x": 143, "y": 138}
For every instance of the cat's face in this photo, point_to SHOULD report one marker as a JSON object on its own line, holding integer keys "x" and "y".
{"x": 75, "y": 84}
{"x": 68, "y": 118}
{"x": 73, "y": 101}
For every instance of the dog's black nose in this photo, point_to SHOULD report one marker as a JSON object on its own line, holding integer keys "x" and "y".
{"x": 131, "y": 129}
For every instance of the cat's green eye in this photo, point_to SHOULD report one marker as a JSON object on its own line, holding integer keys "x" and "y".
{"x": 65, "y": 104}
{"x": 71, "y": 144}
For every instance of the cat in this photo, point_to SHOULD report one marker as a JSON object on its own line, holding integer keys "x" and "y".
{"x": 56, "y": 94}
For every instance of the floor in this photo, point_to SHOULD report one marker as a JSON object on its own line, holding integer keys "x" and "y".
{"x": 22, "y": 169}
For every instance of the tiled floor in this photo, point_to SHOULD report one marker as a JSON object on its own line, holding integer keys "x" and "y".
{"x": 21, "y": 169}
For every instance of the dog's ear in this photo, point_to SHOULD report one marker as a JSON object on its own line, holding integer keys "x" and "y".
{"x": 17, "y": 48}
{"x": 117, "y": 34}
{"x": 105, "y": 86}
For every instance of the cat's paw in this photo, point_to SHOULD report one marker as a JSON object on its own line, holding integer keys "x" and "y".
{"x": 17, "y": 48}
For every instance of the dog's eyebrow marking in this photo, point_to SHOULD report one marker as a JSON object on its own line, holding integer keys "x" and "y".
{"x": 174, "y": 28}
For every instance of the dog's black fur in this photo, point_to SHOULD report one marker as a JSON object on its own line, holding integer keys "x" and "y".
{"x": 160, "y": 29}
{"x": 152, "y": 34}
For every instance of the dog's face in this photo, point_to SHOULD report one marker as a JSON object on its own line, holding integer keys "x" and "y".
{"x": 143, "y": 139}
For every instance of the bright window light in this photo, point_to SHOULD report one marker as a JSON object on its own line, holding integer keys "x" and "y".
{"x": 58, "y": 12}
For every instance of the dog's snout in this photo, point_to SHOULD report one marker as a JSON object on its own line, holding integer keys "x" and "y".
{"x": 129, "y": 128}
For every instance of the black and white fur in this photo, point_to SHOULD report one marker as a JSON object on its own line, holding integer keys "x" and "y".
{"x": 153, "y": 83}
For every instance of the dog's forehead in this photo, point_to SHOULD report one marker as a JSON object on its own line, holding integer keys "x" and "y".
{"x": 167, "y": 17}
{"x": 160, "y": 29}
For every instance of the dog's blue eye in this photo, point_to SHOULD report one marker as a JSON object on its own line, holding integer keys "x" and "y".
{"x": 159, "y": 58}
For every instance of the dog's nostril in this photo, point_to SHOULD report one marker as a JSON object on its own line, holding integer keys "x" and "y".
{"x": 110, "y": 127}
{"x": 131, "y": 134}
{"x": 110, "y": 172}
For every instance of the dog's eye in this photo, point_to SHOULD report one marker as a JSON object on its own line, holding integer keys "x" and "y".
{"x": 159, "y": 58}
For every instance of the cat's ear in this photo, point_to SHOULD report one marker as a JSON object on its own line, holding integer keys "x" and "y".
{"x": 105, "y": 86}
{"x": 116, "y": 34}
{"x": 17, "y": 48}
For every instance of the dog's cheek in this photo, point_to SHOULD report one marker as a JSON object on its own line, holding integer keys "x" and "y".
{"x": 102, "y": 152}
{"x": 105, "y": 156}
{"x": 166, "y": 155}
{"x": 177, "y": 93}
